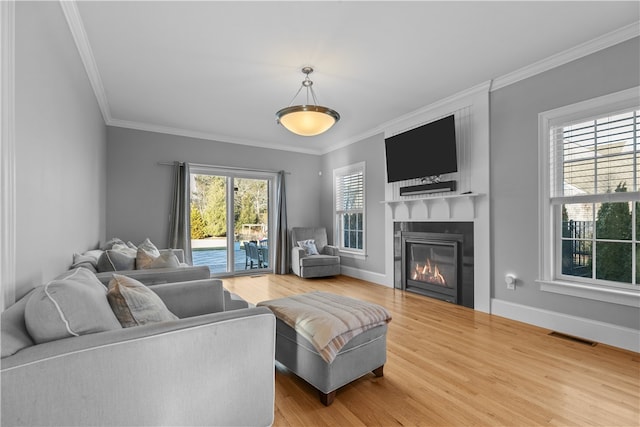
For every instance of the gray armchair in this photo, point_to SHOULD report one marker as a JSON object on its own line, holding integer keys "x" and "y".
{"x": 325, "y": 263}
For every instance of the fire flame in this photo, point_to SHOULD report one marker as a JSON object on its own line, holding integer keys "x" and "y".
{"x": 428, "y": 273}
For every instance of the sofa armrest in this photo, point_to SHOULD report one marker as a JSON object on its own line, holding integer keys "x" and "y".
{"x": 331, "y": 250}
{"x": 216, "y": 369}
{"x": 194, "y": 298}
{"x": 155, "y": 276}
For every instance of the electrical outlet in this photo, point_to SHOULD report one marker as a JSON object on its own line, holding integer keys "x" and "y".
{"x": 510, "y": 280}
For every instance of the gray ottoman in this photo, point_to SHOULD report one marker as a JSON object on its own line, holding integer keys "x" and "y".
{"x": 366, "y": 352}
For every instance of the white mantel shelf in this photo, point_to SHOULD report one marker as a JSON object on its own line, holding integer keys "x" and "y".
{"x": 428, "y": 201}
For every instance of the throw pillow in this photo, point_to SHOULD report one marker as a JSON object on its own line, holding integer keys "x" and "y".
{"x": 146, "y": 253}
{"x": 135, "y": 304}
{"x": 89, "y": 263}
{"x": 124, "y": 249}
{"x": 165, "y": 260}
{"x": 112, "y": 260}
{"x": 71, "y": 306}
{"x": 110, "y": 243}
{"x": 309, "y": 246}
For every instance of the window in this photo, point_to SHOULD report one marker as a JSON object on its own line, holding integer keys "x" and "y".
{"x": 590, "y": 193}
{"x": 349, "y": 229}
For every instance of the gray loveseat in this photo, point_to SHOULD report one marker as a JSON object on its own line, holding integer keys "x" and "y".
{"x": 209, "y": 367}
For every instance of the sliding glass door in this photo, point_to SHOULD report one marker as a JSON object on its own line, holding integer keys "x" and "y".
{"x": 230, "y": 220}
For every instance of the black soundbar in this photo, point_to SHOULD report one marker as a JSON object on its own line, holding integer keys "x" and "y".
{"x": 436, "y": 187}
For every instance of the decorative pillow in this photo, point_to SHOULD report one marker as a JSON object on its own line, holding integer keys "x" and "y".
{"x": 124, "y": 249}
{"x": 309, "y": 246}
{"x": 146, "y": 254}
{"x": 89, "y": 263}
{"x": 135, "y": 304}
{"x": 112, "y": 260}
{"x": 165, "y": 260}
{"x": 68, "y": 307}
{"x": 131, "y": 245}
{"x": 13, "y": 330}
{"x": 110, "y": 243}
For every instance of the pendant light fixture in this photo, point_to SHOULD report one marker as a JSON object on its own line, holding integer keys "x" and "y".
{"x": 307, "y": 120}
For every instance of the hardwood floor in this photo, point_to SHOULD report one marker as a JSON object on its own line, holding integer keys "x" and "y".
{"x": 448, "y": 365}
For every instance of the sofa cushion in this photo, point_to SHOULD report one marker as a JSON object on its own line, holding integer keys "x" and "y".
{"x": 14, "y": 336}
{"x": 319, "y": 260}
{"x": 135, "y": 304}
{"x": 76, "y": 304}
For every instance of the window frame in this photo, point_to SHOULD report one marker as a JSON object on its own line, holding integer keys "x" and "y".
{"x": 337, "y": 223}
{"x": 550, "y": 274}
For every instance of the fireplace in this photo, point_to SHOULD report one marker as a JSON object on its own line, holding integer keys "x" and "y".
{"x": 431, "y": 264}
{"x": 435, "y": 259}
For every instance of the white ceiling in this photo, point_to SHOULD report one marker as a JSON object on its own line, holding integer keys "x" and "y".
{"x": 220, "y": 70}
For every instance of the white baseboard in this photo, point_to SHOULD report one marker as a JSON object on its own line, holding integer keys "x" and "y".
{"x": 370, "y": 276}
{"x": 605, "y": 333}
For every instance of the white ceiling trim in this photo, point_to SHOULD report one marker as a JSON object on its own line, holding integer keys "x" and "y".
{"x": 72, "y": 14}
{"x": 207, "y": 136}
{"x": 576, "y": 52}
{"x": 445, "y": 103}
{"x": 79, "y": 34}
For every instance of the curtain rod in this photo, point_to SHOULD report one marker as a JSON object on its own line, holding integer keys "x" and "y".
{"x": 202, "y": 165}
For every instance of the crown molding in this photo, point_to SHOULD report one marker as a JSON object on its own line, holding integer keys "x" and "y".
{"x": 448, "y": 104}
{"x": 592, "y": 46}
{"x": 206, "y": 136}
{"x": 79, "y": 34}
{"x": 74, "y": 20}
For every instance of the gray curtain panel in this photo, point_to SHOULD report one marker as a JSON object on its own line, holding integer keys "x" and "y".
{"x": 281, "y": 265}
{"x": 179, "y": 222}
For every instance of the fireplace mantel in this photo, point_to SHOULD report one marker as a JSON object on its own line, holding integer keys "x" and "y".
{"x": 428, "y": 202}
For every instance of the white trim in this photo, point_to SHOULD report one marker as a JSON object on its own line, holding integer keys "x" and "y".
{"x": 369, "y": 276}
{"x": 207, "y": 136}
{"x": 606, "y": 333}
{"x": 8, "y": 155}
{"x": 76, "y": 26}
{"x": 592, "y": 46}
{"x": 630, "y": 297}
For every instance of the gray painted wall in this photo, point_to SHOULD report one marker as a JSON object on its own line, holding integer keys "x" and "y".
{"x": 60, "y": 141}
{"x": 514, "y": 173}
{"x": 139, "y": 190}
{"x": 370, "y": 151}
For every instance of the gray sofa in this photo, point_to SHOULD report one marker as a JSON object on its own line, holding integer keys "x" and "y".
{"x": 210, "y": 367}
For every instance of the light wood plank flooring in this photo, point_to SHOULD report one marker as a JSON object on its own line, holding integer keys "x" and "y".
{"x": 452, "y": 366}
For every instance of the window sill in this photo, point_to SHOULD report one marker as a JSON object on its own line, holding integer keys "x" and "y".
{"x": 355, "y": 255}
{"x": 627, "y": 297}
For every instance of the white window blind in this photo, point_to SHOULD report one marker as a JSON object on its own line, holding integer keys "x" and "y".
{"x": 593, "y": 157}
{"x": 350, "y": 192}
{"x": 349, "y": 229}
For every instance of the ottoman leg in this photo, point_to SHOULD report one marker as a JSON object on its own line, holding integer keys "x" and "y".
{"x": 379, "y": 371}
{"x": 327, "y": 398}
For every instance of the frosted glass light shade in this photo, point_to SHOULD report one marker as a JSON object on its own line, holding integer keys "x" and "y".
{"x": 307, "y": 120}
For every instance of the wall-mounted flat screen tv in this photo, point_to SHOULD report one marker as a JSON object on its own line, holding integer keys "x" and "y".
{"x": 428, "y": 150}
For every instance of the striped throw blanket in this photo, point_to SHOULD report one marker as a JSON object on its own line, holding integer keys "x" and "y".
{"x": 327, "y": 320}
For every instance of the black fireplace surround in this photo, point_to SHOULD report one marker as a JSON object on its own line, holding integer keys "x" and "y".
{"x": 435, "y": 259}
